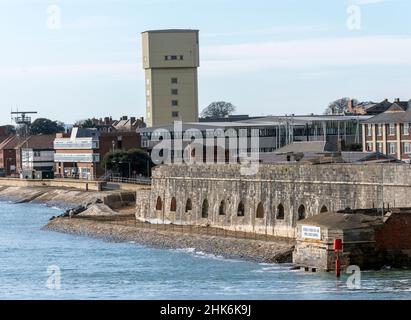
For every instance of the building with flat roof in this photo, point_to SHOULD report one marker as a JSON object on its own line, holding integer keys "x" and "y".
{"x": 80, "y": 153}
{"x": 35, "y": 153}
{"x": 273, "y": 133}
{"x": 170, "y": 59}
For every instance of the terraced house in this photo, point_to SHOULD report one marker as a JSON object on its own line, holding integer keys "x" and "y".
{"x": 389, "y": 132}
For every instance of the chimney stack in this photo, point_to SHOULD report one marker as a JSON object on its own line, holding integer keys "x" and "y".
{"x": 397, "y": 100}
{"x": 350, "y": 107}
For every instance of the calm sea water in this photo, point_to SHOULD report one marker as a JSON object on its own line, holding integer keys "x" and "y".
{"x": 93, "y": 269}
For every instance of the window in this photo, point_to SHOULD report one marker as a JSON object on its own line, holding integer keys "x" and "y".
{"x": 369, "y": 147}
{"x": 175, "y": 114}
{"x": 301, "y": 212}
{"x": 174, "y": 103}
{"x": 392, "y": 129}
{"x": 280, "y": 212}
{"x": 406, "y": 129}
{"x": 148, "y": 93}
{"x": 204, "y": 209}
{"x": 407, "y": 147}
{"x": 174, "y": 80}
{"x": 369, "y": 130}
{"x": 260, "y": 211}
{"x": 148, "y": 82}
{"x": 379, "y": 130}
{"x": 393, "y": 147}
{"x": 221, "y": 210}
{"x": 174, "y": 92}
{"x": 323, "y": 209}
{"x": 241, "y": 210}
{"x": 167, "y": 58}
{"x": 189, "y": 206}
{"x": 380, "y": 147}
{"x": 159, "y": 204}
{"x": 173, "y": 205}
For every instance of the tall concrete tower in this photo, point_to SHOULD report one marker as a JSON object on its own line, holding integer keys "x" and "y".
{"x": 170, "y": 60}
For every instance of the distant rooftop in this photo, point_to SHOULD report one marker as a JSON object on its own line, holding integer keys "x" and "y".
{"x": 171, "y": 31}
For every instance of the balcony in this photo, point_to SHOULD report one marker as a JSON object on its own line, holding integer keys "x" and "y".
{"x": 77, "y": 157}
{"x": 78, "y": 144}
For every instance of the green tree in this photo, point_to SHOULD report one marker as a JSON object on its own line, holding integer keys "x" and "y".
{"x": 339, "y": 106}
{"x": 46, "y": 126}
{"x": 125, "y": 162}
{"x": 220, "y": 109}
{"x": 88, "y": 123}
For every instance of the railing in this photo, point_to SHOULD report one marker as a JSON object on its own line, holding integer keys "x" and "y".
{"x": 137, "y": 180}
{"x": 107, "y": 178}
{"x": 73, "y": 177}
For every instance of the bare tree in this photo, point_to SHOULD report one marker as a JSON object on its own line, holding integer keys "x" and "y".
{"x": 220, "y": 109}
{"x": 340, "y": 106}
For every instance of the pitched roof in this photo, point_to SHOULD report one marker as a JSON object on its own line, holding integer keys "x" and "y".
{"x": 307, "y": 146}
{"x": 379, "y": 107}
{"x": 391, "y": 117}
{"x": 9, "y": 143}
{"x": 40, "y": 141}
{"x": 342, "y": 221}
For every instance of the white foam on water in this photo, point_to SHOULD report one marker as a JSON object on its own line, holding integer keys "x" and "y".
{"x": 157, "y": 221}
{"x": 204, "y": 255}
{"x": 186, "y": 250}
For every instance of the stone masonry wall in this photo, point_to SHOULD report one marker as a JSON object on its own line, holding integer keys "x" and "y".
{"x": 301, "y": 190}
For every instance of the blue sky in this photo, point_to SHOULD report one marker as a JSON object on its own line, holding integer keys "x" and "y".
{"x": 264, "y": 56}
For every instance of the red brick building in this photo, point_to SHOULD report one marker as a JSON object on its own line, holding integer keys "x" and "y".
{"x": 389, "y": 132}
{"x": 79, "y": 155}
{"x": 8, "y": 155}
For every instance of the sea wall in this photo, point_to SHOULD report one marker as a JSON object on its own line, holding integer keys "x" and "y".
{"x": 260, "y": 251}
{"x": 273, "y": 200}
{"x": 65, "y": 197}
{"x": 56, "y": 183}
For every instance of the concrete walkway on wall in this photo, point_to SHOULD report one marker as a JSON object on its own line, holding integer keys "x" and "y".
{"x": 71, "y": 183}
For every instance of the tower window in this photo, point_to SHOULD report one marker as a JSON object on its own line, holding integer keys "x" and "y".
{"x": 167, "y": 58}
{"x": 174, "y": 92}
{"x": 175, "y": 114}
{"x": 174, "y": 80}
{"x": 174, "y": 103}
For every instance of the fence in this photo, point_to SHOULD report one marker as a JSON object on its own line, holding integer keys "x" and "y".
{"x": 130, "y": 221}
{"x": 142, "y": 180}
{"x": 135, "y": 180}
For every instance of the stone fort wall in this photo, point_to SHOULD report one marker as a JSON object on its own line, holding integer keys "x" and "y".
{"x": 272, "y": 201}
